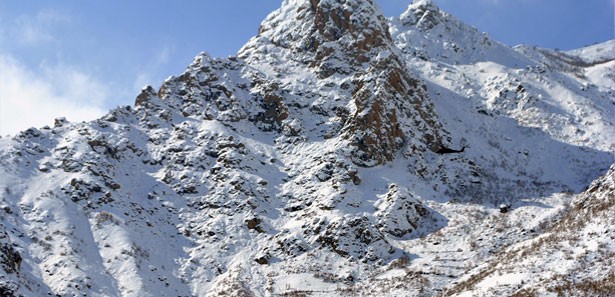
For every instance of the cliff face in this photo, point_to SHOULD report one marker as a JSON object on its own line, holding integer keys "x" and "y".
{"x": 345, "y": 45}
{"x": 339, "y": 152}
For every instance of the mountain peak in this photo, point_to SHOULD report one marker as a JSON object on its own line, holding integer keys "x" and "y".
{"x": 307, "y": 27}
{"x": 425, "y": 14}
{"x": 350, "y": 39}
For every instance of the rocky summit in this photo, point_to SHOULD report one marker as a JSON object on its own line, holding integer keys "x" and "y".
{"x": 339, "y": 153}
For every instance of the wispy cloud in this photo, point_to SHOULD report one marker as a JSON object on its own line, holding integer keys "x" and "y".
{"x": 37, "y": 29}
{"x": 150, "y": 75}
{"x": 32, "y": 95}
{"x": 34, "y": 98}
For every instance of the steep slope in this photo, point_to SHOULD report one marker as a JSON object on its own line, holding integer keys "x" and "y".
{"x": 513, "y": 97}
{"x": 356, "y": 80}
{"x": 536, "y": 87}
{"x": 574, "y": 257}
{"x": 338, "y": 153}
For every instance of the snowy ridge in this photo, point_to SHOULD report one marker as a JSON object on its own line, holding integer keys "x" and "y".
{"x": 597, "y": 53}
{"x": 339, "y": 153}
{"x": 425, "y": 32}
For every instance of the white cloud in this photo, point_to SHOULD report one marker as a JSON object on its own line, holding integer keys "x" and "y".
{"x": 34, "y": 98}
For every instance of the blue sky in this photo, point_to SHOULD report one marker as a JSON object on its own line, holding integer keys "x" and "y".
{"x": 78, "y": 58}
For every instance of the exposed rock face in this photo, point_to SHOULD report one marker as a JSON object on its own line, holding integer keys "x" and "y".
{"x": 317, "y": 32}
{"x": 10, "y": 265}
{"x": 351, "y": 39}
{"x": 10, "y": 259}
{"x": 393, "y": 111}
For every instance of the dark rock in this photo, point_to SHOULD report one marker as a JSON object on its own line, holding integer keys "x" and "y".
{"x": 254, "y": 224}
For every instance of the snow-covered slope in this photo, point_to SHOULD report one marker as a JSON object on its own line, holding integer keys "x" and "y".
{"x": 573, "y": 257}
{"x": 338, "y": 153}
{"x": 425, "y": 32}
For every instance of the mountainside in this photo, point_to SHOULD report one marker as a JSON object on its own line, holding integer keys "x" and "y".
{"x": 339, "y": 153}
{"x": 574, "y": 256}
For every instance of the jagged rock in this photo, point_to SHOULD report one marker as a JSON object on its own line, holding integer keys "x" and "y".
{"x": 145, "y": 95}
{"x": 254, "y": 224}
{"x": 355, "y": 237}
{"x": 59, "y": 122}
{"x": 10, "y": 259}
{"x": 400, "y": 214}
{"x": 352, "y": 38}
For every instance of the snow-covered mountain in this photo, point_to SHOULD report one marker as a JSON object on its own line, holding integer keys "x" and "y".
{"x": 339, "y": 153}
